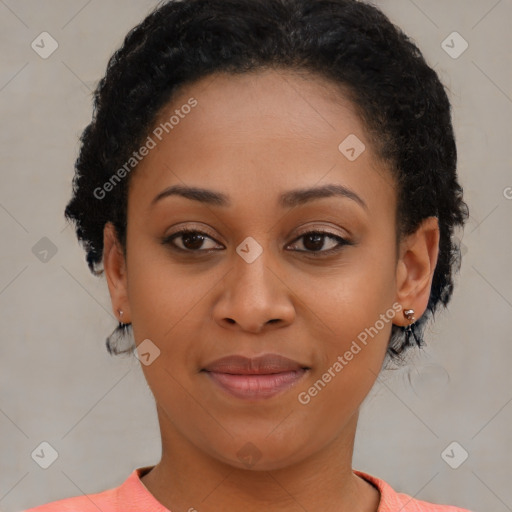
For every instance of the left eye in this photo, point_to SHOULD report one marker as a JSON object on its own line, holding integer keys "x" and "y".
{"x": 314, "y": 241}
{"x": 192, "y": 241}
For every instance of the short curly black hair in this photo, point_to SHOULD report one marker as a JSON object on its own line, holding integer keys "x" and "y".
{"x": 400, "y": 98}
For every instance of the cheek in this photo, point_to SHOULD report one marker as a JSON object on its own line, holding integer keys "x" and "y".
{"x": 353, "y": 311}
{"x": 352, "y": 295}
{"x": 354, "y": 334}
{"x": 167, "y": 303}
{"x": 161, "y": 293}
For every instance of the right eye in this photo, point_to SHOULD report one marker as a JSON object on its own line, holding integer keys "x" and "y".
{"x": 192, "y": 240}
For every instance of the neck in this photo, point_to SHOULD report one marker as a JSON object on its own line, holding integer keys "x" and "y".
{"x": 186, "y": 478}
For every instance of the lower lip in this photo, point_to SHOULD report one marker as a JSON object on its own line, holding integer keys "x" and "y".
{"x": 256, "y": 386}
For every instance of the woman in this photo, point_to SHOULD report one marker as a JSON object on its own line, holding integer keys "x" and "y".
{"x": 271, "y": 189}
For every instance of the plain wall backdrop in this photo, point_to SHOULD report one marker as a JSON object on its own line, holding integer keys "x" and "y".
{"x": 59, "y": 385}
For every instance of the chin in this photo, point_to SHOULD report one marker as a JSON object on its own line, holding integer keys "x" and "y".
{"x": 262, "y": 455}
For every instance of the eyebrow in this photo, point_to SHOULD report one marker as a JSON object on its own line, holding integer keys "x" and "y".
{"x": 288, "y": 199}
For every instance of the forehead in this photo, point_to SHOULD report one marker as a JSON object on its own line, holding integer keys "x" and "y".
{"x": 270, "y": 130}
{"x": 293, "y": 102}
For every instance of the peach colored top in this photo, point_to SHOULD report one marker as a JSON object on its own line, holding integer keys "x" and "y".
{"x": 133, "y": 496}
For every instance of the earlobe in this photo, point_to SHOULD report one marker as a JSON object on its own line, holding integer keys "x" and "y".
{"x": 114, "y": 265}
{"x": 416, "y": 266}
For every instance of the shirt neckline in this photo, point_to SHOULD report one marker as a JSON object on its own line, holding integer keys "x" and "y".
{"x": 386, "y": 503}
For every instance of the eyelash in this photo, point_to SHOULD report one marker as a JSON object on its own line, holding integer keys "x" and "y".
{"x": 341, "y": 242}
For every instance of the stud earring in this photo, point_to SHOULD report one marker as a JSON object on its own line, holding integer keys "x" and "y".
{"x": 409, "y": 329}
{"x": 409, "y": 314}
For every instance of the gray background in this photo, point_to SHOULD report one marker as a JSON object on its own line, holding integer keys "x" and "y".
{"x": 59, "y": 385}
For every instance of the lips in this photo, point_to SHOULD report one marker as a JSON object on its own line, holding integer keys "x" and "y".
{"x": 262, "y": 365}
{"x": 254, "y": 378}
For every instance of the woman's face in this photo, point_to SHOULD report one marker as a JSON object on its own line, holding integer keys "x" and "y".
{"x": 257, "y": 284}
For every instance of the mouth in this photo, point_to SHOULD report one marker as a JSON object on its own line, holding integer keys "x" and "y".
{"x": 255, "y": 378}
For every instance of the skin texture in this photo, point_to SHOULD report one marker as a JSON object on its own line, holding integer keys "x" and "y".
{"x": 253, "y": 137}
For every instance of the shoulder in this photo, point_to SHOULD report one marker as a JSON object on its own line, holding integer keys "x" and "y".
{"x": 411, "y": 504}
{"x": 104, "y": 501}
{"x": 130, "y": 496}
{"x": 391, "y": 501}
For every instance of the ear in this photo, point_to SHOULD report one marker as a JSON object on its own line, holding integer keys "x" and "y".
{"x": 114, "y": 265}
{"x": 415, "y": 268}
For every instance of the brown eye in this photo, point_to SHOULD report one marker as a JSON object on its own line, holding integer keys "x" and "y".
{"x": 191, "y": 240}
{"x": 314, "y": 241}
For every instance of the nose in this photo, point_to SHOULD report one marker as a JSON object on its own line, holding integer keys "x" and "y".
{"x": 254, "y": 296}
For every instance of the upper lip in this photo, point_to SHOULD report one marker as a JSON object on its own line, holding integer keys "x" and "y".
{"x": 264, "y": 364}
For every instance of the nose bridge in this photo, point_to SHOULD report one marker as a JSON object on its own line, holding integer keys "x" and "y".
{"x": 253, "y": 295}
{"x": 252, "y": 266}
